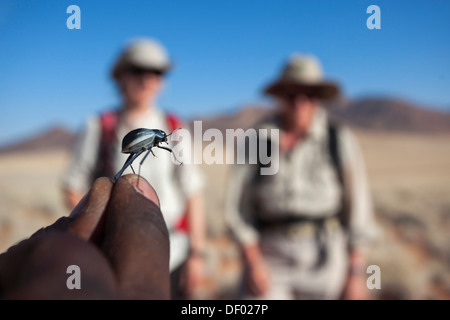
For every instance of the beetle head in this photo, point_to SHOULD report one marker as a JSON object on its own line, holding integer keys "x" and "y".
{"x": 170, "y": 134}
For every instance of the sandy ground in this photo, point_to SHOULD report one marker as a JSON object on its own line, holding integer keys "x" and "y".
{"x": 29, "y": 193}
{"x": 410, "y": 182}
{"x": 409, "y": 177}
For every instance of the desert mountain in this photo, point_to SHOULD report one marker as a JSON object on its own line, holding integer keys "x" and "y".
{"x": 52, "y": 139}
{"x": 244, "y": 118}
{"x": 378, "y": 114}
{"x": 391, "y": 115}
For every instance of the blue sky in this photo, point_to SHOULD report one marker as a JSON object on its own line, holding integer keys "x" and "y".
{"x": 225, "y": 52}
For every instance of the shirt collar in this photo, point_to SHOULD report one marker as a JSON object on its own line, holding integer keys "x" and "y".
{"x": 318, "y": 128}
{"x": 152, "y": 117}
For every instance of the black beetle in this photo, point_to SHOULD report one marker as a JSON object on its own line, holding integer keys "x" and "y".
{"x": 139, "y": 140}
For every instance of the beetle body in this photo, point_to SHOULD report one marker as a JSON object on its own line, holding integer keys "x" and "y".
{"x": 142, "y": 139}
{"x": 137, "y": 141}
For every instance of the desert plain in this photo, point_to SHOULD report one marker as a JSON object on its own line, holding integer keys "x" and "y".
{"x": 409, "y": 177}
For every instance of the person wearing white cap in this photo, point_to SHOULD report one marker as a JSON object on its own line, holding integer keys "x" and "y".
{"x": 139, "y": 74}
{"x": 304, "y": 230}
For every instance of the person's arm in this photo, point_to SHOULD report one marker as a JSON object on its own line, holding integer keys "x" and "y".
{"x": 355, "y": 287}
{"x": 191, "y": 182}
{"x": 257, "y": 274}
{"x": 362, "y": 224}
{"x": 84, "y": 156}
{"x": 238, "y": 219}
{"x": 197, "y": 225}
{"x": 194, "y": 270}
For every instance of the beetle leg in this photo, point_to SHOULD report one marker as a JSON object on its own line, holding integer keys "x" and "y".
{"x": 165, "y": 148}
{"x": 142, "y": 161}
{"x": 145, "y": 157}
{"x": 129, "y": 161}
{"x": 170, "y": 150}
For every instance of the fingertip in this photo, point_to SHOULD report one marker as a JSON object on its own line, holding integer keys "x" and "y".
{"x": 86, "y": 218}
{"x": 102, "y": 182}
{"x": 142, "y": 186}
{"x": 100, "y": 191}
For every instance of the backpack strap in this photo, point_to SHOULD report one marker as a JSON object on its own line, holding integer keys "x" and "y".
{"x": 334, "y": 149}
{"x": 173, "y": 122}
{"x": 108, "y": 124}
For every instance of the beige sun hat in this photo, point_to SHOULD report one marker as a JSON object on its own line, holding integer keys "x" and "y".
{"x": 143, "y": 53}
{"x": 303, "y": 74}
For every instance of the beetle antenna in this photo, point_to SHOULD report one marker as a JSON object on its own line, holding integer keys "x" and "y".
{"x": 170, "y": 150}
{"x": 181, "y": 163}
{"x": 173, "y": 132}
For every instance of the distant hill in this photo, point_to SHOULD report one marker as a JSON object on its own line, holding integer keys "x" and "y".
{"x": 391, "y": 115}
{"x": 244, "y": 118}
{"x": 379, "y": 114}
{"x": 56, "y": 138}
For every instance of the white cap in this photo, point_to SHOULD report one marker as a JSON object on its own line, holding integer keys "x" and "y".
{"x": 144, "y": 53}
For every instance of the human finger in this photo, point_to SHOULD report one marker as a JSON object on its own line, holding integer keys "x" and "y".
{"x": 85, "y": 220}
{"x": 145, "y": 188}
{"x": 37, "y": 269}
{"x": 136, "y": 240}
{"x": 87, "y": 217}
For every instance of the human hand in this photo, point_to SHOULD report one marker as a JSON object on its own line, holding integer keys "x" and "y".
{"x": 356, "y": 288}
{"x": 257, "y": 273}
{"x": 192, "y": 275}
{"x": 116, "y": 236}
{"x": 258, "y": 279}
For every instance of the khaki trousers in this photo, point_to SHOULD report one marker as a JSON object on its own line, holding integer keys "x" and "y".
{"x": 304, "y": 265}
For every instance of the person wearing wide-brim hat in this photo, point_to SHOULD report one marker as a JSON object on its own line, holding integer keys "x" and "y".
{"x": 303, "y": 75}
{"x": 139, "y": 73}
{"x": 303, "y": 230}
{"x": 299, "y": 90}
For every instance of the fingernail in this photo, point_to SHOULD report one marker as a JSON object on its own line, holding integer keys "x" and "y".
{"x": 142, "y": 186}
